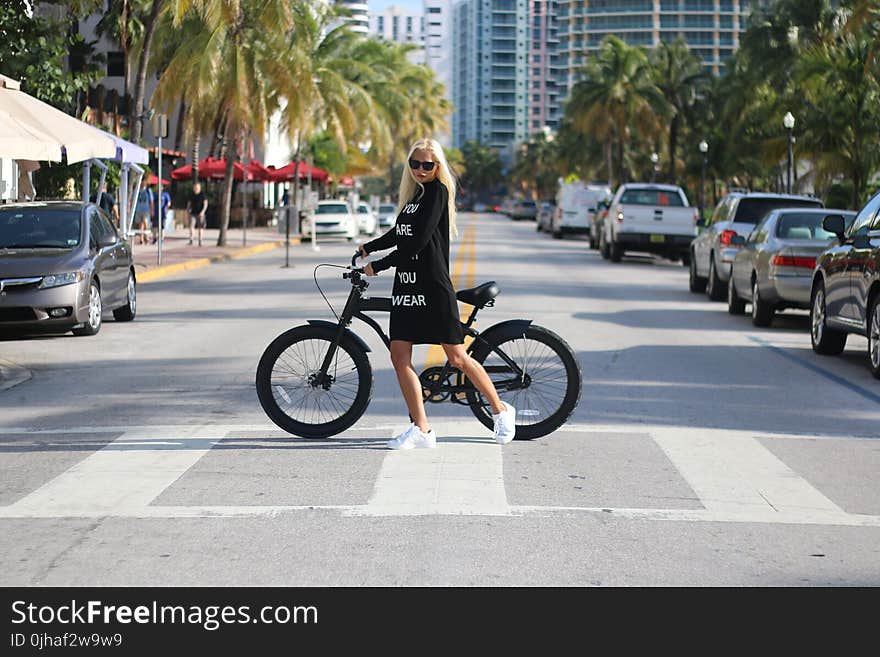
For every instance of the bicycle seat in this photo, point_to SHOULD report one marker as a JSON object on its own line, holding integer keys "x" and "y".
{"x": 479, "y": 296}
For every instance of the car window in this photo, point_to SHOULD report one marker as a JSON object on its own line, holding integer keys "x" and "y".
{"x": 865, "y": 217}
{"x": 96, "y": 229}
{"x": 40, "y": 227}
{"x": 107, "y": 227}
{"x": 651, "y": 197}
{"x": 760, "y": 232}
{"x": 332, "y": 208}
{"x": 363, "y": 209}
{"x": 804, "y": 226}
{"x": 752, "y": 210}
{"x": 387, "y": 208}
{"x": 721, "y": 211}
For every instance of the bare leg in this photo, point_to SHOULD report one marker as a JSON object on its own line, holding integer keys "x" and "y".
{"x": 401, "y": 358}
{"x": 459, "y": 358}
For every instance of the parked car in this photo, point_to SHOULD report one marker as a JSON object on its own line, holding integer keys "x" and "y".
{"x": 648, "y": 218}
{"x": 62, "y": 265}
{"x": 332, "y": 218}
{"x": 545, "y": 216}
{"x": 523, "y": 209}
{"x": 506, "y": 206}
{"x": 387, "y": 215}
{"x": 367, "y": 222}
{"x": 712, "y": 252}
{"x": 576, "y": 205}
{"x": 773, "y": 270}
{"x": 845, "y": 294}
{"x": 479, "y": 206}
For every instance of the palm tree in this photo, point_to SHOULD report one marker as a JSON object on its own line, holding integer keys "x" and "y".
{"x": 680, "y": 77}
{"x": 536, "y": 165}
{"x": 615, "y": 96}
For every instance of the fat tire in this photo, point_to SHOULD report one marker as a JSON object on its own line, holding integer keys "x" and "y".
{"x": 304, "y": 429}
{"x": 570, "y": 399}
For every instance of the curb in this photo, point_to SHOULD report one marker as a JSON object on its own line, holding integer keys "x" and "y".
{"x": 169, "y": 270}
{"x": 11, "y": 375}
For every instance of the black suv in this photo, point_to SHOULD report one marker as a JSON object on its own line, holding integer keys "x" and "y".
{"x": 845, "y": 297}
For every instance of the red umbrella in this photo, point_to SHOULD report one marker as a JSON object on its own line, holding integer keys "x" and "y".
{"x": 214, "y": 169}
{"x": 153, "y": 179}
{"x": 287, "y": 172}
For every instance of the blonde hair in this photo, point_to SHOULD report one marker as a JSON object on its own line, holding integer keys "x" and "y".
{"x": 408, "y": 183}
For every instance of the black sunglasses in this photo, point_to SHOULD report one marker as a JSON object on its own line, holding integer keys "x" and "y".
{"x": 427, "y": 166}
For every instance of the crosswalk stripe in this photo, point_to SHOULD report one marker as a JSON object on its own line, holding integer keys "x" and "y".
{"x": 738, "y": 474}
{"x": 734, "y": 476}
{"x": 129, "y": 472}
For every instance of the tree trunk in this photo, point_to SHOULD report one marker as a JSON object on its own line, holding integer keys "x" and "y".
{"x": 141, "y": 79}
{"x": 226, "y": 194}
{"x": 195, "y": 157}
{"x": 673, "y": 148}
{"x": 610, "y": 162}
{"x": 181, "y": 119}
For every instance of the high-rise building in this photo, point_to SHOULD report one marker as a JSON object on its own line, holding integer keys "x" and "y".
{"x": 490, "y": 74}
{"x": 710, "y": 27}
{"x": 544, "y": 103}
{"x": 358, "y": 15}
{"x": 400, "y": 26}
{"x": 439, "y": 49}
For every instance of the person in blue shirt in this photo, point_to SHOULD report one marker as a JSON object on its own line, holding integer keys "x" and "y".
{"x": 143, "y": 210}
{"x": 160, "y": 211}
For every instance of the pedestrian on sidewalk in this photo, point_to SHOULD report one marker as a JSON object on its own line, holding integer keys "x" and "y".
{"x": 143, "y": 210}
{"x": 160, "y": 211}
{"x": 197, "y": 206}
{"x": 108, "y": 203}
{"x": 424, "y": 309}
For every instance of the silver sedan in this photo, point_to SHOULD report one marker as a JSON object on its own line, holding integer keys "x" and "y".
{"x": 774, "y": 268}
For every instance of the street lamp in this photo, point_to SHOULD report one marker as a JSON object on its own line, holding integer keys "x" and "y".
{"x": 704, "y": 148}
{"x": 788, "y": 122}
{"x": 654, "y": 159}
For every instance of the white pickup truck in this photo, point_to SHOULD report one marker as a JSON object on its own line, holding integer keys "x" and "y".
{"x": 648, "y": 218}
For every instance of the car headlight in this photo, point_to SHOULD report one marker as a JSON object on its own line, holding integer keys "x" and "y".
{"x": 56, "y": 280}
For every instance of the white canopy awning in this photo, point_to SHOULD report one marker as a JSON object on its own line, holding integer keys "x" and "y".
{"x": 34, "y": 130}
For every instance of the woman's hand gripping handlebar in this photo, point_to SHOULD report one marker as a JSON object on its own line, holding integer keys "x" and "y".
{"x": 361, "y": 253}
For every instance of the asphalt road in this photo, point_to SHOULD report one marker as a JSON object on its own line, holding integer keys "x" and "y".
{"x": 704, "y": 451}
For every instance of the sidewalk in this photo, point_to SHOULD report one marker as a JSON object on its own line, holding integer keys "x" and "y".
{"x": 178, "y": 255}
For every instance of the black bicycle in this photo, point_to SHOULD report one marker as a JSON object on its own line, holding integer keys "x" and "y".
{"x": 315, "y": 380}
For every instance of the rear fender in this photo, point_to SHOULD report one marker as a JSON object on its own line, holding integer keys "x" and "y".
{"x": 348, "y": 332}
{"x": 511, "y": 328}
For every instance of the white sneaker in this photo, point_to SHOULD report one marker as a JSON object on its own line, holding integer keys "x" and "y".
{"x": 505, "y": 424}
{"x": 414, "y": 438}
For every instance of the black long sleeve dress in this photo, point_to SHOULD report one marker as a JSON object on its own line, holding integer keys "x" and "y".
{"x": 424, "y": 309}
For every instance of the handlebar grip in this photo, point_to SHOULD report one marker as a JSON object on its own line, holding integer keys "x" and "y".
{"x": 357, "y": 254}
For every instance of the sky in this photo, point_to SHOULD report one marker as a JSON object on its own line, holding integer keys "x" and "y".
{"x": 414, "y": 6}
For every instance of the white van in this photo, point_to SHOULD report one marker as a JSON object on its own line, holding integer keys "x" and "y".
{"x": 576, "y": 203}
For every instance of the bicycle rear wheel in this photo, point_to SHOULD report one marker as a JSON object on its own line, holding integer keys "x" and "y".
{"x": 287, "y": 376}
{"x": 553, "y": 381}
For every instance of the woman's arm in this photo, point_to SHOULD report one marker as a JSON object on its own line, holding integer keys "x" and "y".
{"x": 381, "y": 243}
{"x": 421, "y": 226}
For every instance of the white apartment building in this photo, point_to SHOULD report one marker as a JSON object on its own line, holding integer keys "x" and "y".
{"x": 400, "y": 26}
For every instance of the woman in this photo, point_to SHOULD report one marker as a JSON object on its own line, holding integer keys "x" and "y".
{"x": 424, "y": 309}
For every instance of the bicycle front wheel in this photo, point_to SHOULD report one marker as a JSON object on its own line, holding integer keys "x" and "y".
{"x": 550, "y": 389}
{"x": 291, "y": 393}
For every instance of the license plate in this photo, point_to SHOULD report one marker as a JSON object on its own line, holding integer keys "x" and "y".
{"x": 658, "y": 238}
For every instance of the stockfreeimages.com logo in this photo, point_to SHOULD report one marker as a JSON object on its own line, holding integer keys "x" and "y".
{"x": 210, "y": 617}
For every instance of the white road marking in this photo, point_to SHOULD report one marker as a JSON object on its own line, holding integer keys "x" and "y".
{"x": 461, "y": 476}
{"x": 128, "y": 473}
{"x": 734, "y": 476}
{"x": 737, "y": 475}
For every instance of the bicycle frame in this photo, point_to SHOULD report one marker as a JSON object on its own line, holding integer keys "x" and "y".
{"x": 357, "y": 304}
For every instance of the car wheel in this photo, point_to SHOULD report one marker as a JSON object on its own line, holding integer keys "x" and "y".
{"x": 127, "y": 312}
{"x": 93, "y": 323}
{"x": 603, "y": 247}
{"x": 714, "y": 288}
{"x": 685, "y": 259}
{"x": 874, "y": 336}
{"x": 696, "y": 283}
{"x": 826, "y": 341}
{"x": 735, "y": 305}
{"x": 615, "y": 252}
{"x": 762, "y": 312}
